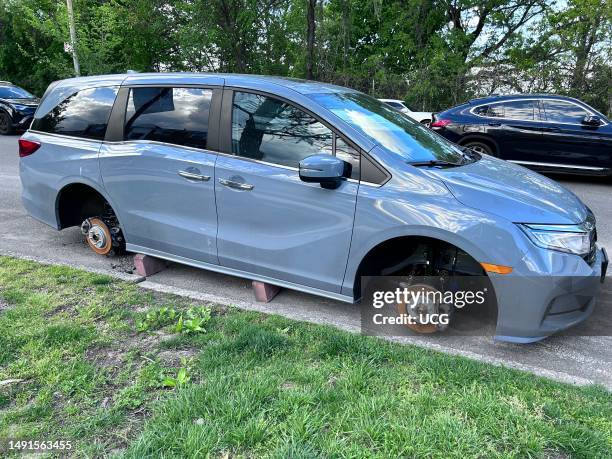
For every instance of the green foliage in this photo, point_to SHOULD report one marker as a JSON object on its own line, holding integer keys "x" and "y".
{"x": 429, "y": 53}
{"x": 189, "y": 321}
{"x": 180, "y": 380}
{"x": 193, "y": 320}
{"x": 156, "y": 319}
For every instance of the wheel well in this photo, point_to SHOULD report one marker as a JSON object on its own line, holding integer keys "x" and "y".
{"x": 77, "y": 202}
{"x": 471, "y": 138}
{"x": 402, "y": 254}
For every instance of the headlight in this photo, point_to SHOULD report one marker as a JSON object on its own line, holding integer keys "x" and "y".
{"x": 574, "y": 239}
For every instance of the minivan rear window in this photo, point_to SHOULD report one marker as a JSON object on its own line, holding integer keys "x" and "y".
{"x": 83, "y": 114}
{"x": 177, "y": 116}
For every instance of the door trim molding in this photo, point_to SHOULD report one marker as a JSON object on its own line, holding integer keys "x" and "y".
{"x": 564, "y": 166}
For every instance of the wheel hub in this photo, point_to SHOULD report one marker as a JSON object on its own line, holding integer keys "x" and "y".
{"x": 96, "y": 237}
{"x": 478, "y": 149}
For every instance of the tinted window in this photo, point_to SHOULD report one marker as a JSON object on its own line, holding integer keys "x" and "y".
{"x": 83, "y": 114}
{"x": 170, "y": 115}
{"x": 14, "y": 92}
{"x": 349, "y": 154}
{"x": 519, "y": 109}
{"x": 482, "y": 110}
{"x": 274, "y": 131}
{"x": 395, "y": 104}
{"x": 496, "y": 111}
{"x": 563, "y": 112}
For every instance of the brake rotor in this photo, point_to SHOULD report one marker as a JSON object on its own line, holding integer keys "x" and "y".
{"x": 98, "y": 235}
{"x": 419, "y": 310}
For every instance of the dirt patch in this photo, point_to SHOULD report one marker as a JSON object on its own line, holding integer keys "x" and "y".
{"x": 3, "y": 305}
{"x": 105, "y": 357}
{"x": 124, "y": 264}
{"x": 173, "y": 357}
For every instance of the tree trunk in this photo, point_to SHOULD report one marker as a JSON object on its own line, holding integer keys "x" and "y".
{"x": 310, "y": 40}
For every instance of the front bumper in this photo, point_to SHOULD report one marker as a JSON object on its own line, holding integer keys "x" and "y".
{"x": 531, "y": 308}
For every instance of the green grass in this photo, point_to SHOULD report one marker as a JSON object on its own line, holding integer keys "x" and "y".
{"x": 253, "y": 385}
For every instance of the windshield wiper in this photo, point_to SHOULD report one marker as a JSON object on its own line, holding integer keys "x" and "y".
{"x": 433, "y": 163}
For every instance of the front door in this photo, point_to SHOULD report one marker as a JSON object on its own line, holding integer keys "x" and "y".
{"x": 161, "y": 177}
{"x": 270, "y": 222}
{"x": 571, "y": 143}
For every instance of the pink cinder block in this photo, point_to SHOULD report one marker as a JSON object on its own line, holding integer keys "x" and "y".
{"x": 147, "y": 266}
{"x": 264, "y": 293}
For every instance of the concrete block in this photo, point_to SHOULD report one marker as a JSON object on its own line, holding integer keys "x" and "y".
{"x": 147, "y": 265}
{"x": 264, "y": 293}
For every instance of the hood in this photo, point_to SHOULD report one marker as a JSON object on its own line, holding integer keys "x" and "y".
{"x": 512, "y": 192}
{"x": 29, "y": 102}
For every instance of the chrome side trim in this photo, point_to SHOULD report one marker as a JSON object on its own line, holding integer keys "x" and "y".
{"x": 563, "y": 166}
{"x": 238, "y": 273}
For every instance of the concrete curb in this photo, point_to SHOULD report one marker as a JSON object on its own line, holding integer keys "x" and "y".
{"x": 109, "y": 272}
{"x": 269, "y": 308}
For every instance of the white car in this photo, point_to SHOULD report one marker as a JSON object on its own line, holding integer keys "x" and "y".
{"x": 421, "y": 117}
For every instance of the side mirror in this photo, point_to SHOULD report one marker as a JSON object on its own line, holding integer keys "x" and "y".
{"x": 592, "y": 120}
{"x": 324, "y": 169}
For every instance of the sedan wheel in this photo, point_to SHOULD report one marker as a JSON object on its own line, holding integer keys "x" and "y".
{"x": 479, "y": 147}
{"x": 5, "y": 124}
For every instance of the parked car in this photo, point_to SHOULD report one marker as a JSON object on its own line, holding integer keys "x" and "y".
{"x": 542, "y": 132}
{"x": 304, "y": 185}
{"x": 421, "y": 117}
{"x": 17, "y": 107}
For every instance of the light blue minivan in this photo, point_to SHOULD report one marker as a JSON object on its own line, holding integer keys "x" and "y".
{"x": 304, "y": 185}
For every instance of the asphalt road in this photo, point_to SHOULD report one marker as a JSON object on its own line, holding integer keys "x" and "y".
{"x": 575, "y": 359}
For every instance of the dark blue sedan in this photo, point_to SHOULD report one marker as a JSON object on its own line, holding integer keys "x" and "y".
{"x": 542, "y": 132}
{"x": 17, "y": 107}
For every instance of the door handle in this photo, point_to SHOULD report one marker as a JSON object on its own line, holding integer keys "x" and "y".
{"x": 495, "y": 124}
{"x": 236, "y": 185}
{"x": 193, "y": 176}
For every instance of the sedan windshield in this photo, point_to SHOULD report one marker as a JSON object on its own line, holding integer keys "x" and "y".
{"x": 391, "y": 129}
{"x": 14, "y": 92}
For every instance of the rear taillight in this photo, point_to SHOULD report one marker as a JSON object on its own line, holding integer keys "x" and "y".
{"x": 27, "y": 147}
{"x": 440, "y": 123}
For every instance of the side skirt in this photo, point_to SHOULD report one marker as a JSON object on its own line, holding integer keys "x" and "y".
{"x": 238, "y": 273}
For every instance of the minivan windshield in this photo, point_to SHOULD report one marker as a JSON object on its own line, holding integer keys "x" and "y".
{"x": 14, "y": 92}
{"x": 391, "y": 129}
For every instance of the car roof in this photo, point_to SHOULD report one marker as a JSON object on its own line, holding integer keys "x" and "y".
{"x": 392, "y": 100}
{"x": 497, "y": 97}
{"x": 227, "y": 79}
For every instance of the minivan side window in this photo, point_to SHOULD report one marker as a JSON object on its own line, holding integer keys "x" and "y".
{"x": 83, "y": 114}
{"x": 177, "y": 116}
{"x": 270, "y": 130}
{"x": 519, "y": 110}
{"x": 563, "y": 112}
